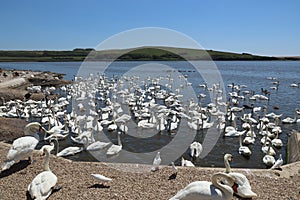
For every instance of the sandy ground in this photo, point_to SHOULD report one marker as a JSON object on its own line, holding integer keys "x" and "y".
{"x": 10, "y": 129}
{"x": 77, "y": 183}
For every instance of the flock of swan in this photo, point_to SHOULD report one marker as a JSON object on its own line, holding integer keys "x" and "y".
{"x": 107, "y": 105}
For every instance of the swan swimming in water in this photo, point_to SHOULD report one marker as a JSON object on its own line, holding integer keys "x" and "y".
{"x": 69, "y": 151}
{"x": 95, "y": 146}
{"x": 213, "y": 190}
{"x": 41, "y": 186}
{"x": 244, "y": 188}
{"x": 195, "y": 149}
{"x": 115, "y": 149}
{"x": 244, "y": 150}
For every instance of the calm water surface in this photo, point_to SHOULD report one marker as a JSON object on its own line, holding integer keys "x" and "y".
{"x": 253, "y": 74}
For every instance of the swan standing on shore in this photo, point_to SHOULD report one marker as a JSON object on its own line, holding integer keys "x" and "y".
{"x": 213, "y": 190}
{"x": 23, "y": 146}
{"x": 156, "y": 162}
{"x": 186, "y": 163}
{"x": 277, "y": 163}
{"x": 42, "y": 185}
{"x": 244, "y": 188}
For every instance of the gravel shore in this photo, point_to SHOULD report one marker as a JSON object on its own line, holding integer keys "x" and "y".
{"x": 77, "y": 183}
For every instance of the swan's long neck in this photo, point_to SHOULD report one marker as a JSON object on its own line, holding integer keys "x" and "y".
{"x": 45, "y": 132}
{"x": 85, "y": 141}
{"x": 234, "y": 122}
{"x": 49, "y": 124}
{"x": 226, "y": 190}
{"x": 277, "y": 134}
{"x": 47, "y": 159}
{"x": 55, "y": 143}
{"x": 276, "y": 121}
{"x": 265, "y": 142}
{"x": 269, "y": 147}
{"x": 227, "y": 165}
{"x": 119, "y": 140}
{"x": 240, "y": 138}
{"x": 251, "y": 131}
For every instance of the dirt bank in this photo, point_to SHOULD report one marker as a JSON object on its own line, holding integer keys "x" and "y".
{"x": 11, "y": 128}
{"x": 13, "y": 83}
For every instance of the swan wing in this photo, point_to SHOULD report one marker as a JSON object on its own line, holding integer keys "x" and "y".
{"x": 199, "y": 190}
{"x": 244, "y": 189}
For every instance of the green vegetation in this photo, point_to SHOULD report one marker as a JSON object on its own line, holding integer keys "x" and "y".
{"x": 142, "y": 53}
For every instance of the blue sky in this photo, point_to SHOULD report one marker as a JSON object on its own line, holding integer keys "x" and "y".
{"x": 264, "y": 27}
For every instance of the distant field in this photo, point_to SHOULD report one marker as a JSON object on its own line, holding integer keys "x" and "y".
{"x": 142, "y": 53}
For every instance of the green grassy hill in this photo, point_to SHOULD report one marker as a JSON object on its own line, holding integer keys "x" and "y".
{"x": 142, "y": 53}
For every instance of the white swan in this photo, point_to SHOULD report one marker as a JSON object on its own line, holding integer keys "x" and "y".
{"x": 267, "y": 149}
{"x": 290, "y": 120}
{"x": 269, "y": 160}
{"x": 244, "y": 188}
{"x": 195, "y": 149}
{"x": 277, "y": 142}
{"x": 69, "y": 151}
{"x": 41, "y": 186}
{"x": 33, "y": 128}
{"x": 156, "y": 162}
{"x": 186, "y": 163}
{"x": 277, "y": 163}
{"x": 250, "y": 139}
{"x": 234, "y": 133}
{"x": 213, "y": 190}
{"x": 23, "y": 146}
{"x": 145, "y": 124}
{"x": 95, "y": 146}
{"x": 112, "y": 127}
{"x": 115, "y": 149}
{"x": 244, "y": 150}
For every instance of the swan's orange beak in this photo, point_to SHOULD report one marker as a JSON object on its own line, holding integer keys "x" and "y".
{"x": 235, "y": 187}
